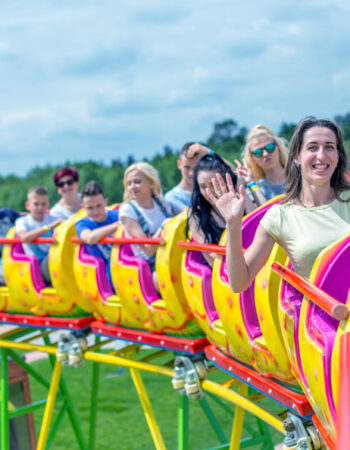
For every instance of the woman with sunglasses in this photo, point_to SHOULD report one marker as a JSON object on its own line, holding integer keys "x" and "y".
{"x": 66, "y": 180}
{"x": 264, "y": 159}
{"x": 314, "y": 213}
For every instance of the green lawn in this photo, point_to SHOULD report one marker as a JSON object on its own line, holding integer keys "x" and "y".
{"x": 120, "y": 421}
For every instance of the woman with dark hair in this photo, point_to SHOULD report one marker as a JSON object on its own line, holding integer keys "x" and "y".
{"x": 314, "y": 214}
{"x": 205, "y": 222}
{"x": 67, "y": 181}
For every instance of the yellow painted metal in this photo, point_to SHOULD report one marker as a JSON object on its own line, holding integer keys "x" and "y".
{"x": 28, "y": 347}
{"x": 51, "y": 398}
{"x": 238, "y": 420}
{"x": 123, "y": 362}
{"x": 147, "y": 409}
{"x": 23, "y": 295}
{"x": 170, "y": 312}
{"x": 243, "y": 402}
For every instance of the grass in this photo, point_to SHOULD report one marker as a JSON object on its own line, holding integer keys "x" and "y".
{"x": 120, "y": 420}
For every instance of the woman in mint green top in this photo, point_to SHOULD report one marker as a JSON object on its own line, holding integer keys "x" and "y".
{"x": 314, "y": 213}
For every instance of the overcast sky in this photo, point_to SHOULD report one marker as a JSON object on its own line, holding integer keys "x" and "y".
{"x": 105, "y": 79}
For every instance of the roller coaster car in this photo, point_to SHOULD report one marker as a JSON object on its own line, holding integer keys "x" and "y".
{"x": 196, "y": 278}
{"x": 313, "y": 337}
{"x": 27, "y": 292}
{"x": 250, "y": 318}
{"x": 91, "y": 277}
{"x": 138, "y": 303}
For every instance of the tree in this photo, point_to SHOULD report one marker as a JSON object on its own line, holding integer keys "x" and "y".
{"x": 223, "y": 132}
{"x": 286, "y": 130}
{"x": 344, "y": 122}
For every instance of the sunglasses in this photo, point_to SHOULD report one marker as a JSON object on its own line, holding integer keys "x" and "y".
{"x": 68, "y": 182}
{"x": 258, "y": 152}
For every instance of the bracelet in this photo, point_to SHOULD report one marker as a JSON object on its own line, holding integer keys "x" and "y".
{"x": 211, "y": 152}
{"x": 251, "y": 184}
{"x": 254, "y": 188}
{"x": 46, "y": 228}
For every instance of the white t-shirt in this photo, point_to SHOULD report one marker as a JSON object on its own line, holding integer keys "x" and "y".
{"x": 27, "y": 223}
{"x": 153, "y": 217}
{"x": 61, "y": 213}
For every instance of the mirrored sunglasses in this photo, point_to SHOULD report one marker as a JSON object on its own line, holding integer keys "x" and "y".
{"x": 258, "y": 152}
{"x": 68, "y": 182}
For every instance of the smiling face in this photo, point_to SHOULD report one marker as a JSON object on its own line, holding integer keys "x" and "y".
{"x": 318, "y": 157}
{"x": 37, "y": 205}
{"x": 95, "y": 207}
{"x": 67, "y": 187}
{"x": 138, "y": 186}
{"x": 268, "y": 161}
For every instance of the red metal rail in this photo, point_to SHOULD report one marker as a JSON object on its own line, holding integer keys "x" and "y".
{"x": 134, "y": 240}
{"x": 220, "y": 249}
{"x": 325, "y": 301}
{"x": 105, "y": 240}
{"x": 42, "y": 240}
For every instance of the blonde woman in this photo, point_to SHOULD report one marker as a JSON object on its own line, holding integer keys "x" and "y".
{"x": 144, "y": 210}
{"x": 264, "y": 159}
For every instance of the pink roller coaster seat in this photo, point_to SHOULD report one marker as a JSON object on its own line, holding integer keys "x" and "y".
{"x": 17, "y": 254}
{"x": 195, "y": 265}
{"x": 103, "y": 284}
{"x": 127, "y": 258}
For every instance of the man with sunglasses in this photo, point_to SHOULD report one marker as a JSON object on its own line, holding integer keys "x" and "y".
{"x": 66, "y": 181}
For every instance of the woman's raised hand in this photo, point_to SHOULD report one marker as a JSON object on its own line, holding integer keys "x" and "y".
{"x": 244, "y": 172}
{"x": 225, "y": 199}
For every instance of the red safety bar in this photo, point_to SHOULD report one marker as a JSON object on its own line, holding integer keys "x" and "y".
{"x": 105, "y": 240}
{"x": 112, "y": 240}
{"x": 41, "y": 240}
{"x": 329, "y": 304}
{"x": 343, "y": 425}
{"x": 220, "y": 249}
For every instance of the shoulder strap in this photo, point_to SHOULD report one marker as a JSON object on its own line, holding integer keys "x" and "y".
{"x": 141, "y": 219}
{"x": 162, "y": 207}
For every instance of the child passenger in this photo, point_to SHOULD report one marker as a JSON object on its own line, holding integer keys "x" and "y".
{"x": 37, "y": 224}
{"x": 99, "y": 223}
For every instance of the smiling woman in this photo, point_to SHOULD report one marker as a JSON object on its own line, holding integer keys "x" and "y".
{"x": 67, "y": 181}
{"x": 314, "y": 214}
{"x": 144, "y": 210}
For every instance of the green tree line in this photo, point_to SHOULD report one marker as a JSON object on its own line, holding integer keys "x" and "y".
{"x": 227, "y": 138}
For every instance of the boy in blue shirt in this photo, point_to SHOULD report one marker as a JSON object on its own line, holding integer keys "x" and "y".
{"x": 99, "y": 223}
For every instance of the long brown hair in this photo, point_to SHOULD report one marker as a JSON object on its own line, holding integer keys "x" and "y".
{"x": 293, "y": 173}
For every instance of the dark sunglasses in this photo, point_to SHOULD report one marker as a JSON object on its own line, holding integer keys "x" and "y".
{"x": 258, "y": 152}
{"x": 68, "y": 182}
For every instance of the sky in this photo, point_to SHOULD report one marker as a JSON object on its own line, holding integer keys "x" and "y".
{"x": 102, "y": 80}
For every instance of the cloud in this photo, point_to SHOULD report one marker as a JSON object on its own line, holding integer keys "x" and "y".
{"x": 130, "y": 77}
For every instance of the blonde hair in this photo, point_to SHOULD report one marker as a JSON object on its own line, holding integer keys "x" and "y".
{"x": 256, "y": 132}
{"x": 150, "y": 173}
{"x": 37, "y": 190}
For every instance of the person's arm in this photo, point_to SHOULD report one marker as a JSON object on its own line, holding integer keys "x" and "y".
{"x": 244, "y": 172}
{"x": 29, "y": 235}
{"x": 93, "y": 236}
{"x": 241, "y": 268}
{"x": 199, "y": 149}
{"x": 134, "y": 229}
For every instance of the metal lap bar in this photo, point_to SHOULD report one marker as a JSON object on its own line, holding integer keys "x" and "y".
{"x": 120, "y": 241}
{"x": 329, "y": 304}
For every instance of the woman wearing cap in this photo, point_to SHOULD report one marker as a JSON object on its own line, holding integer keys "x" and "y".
{"x": 66, "y": 180}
